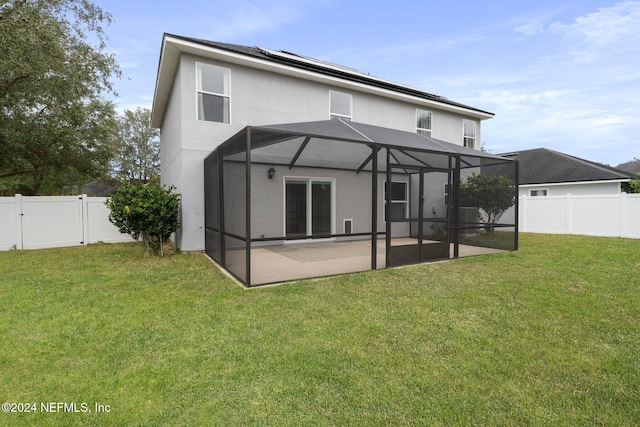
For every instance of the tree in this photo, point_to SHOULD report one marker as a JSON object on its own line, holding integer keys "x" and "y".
{"x": 55, "y": 129}
{"x": 634, "y": 185}
{"x": 148, "y": 212}
{"x": 138, "y": 147}
{"x": 492, "y": 194}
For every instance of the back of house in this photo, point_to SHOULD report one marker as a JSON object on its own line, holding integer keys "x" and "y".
{"x": 206, "y": 92}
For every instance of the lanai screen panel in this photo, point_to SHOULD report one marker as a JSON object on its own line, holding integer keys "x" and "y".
{"x": 336, "y": 159}
{"x": 313, "y": 215}
{"x": 212, "y": 208}
{"x": 487, "y": 217}
{"x": 234, "y": 206}
{"x": 313, "y": 152}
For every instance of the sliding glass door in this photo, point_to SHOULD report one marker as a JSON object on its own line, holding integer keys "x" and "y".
{"x": 309, "y": 207}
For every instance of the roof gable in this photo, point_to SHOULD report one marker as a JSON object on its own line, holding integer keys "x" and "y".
{"x": 544, "y": 166}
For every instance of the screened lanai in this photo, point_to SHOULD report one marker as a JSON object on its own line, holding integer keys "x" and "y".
{"x": 301, "y": 200}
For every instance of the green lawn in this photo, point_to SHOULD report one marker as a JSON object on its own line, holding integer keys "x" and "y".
{"x": 549, "y": 335}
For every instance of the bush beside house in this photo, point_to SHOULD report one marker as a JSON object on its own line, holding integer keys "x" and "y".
{"x": 148, "y": 212}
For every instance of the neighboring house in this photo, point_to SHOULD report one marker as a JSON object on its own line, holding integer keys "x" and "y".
{"x": 632, "y": 167}
{"x": 562, "y": 194}
{"x": 545, "y": 172}
{"x": 312, "y": 128}
{"x": 101, "y": 188}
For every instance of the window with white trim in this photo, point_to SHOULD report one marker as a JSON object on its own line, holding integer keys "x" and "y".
{"x": 469, "y": 133}
{"x": 213, "y": 93}
{"x": 539, "y": 193}
{"x": 399, "y": 200}
{"x": 340, "y": 105}
{"x": 423, "y": 122}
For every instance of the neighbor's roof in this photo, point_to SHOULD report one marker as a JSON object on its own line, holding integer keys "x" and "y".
{"x": 285, "y": 63}
{"x": 544, "y": 166}
{"x": 630, "y": 167}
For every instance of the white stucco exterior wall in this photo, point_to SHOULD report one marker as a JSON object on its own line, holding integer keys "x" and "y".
{"x": 259, "y": 97}
{"x": 575, "y": 188}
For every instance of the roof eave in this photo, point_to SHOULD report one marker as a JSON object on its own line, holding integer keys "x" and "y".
{"x": 174, "y": 46}
{"x": 547, "y": 184}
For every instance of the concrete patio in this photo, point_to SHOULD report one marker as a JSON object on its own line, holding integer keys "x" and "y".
{"x": 280, "y": 263}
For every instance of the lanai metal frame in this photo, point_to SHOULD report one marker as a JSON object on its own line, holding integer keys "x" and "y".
{"x": 341, "y": 145}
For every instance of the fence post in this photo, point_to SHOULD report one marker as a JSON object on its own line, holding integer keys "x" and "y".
{"x": 522, "y": 214}
{"x": 85, "y": 219}
{"x": 18, "y": 221}
{"x": 568, "y": 229}
{"x": 624, "y": 215}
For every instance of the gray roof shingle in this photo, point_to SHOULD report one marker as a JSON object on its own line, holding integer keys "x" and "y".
{"x": 544, "y": 166}
{"x": 630, "y": 167}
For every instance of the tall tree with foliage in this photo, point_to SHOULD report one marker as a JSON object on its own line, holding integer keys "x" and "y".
{"x": 55, "y": 129}
{"x": 492, "y": 194}
{"x": 138, "y": 147}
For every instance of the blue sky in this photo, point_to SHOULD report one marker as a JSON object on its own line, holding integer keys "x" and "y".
{"x": 563, "y": 75}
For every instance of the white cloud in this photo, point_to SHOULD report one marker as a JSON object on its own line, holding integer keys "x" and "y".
{"x": 530, "y": 29}
{"x": 610, "y": 25}
{"x": 522, "y": 100}
{"x": 610, "y": 119}
{"x": 247, "y": 18}
{"x": 571, "y": 86}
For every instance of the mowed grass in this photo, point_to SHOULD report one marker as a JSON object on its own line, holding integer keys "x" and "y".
{"x": 549, "y": 335}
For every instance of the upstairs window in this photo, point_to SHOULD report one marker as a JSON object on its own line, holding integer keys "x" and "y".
{"x": 423, "y": 122}
{"x": 469, "y": 133}
{"x": 340, "y": 105}
{"x": 213, "y": 93}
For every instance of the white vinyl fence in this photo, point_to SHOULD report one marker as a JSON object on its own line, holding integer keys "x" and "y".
{"x": 35, "y": 222}
{"x": 615, "y": 215}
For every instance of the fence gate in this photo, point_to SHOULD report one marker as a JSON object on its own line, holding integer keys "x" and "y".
{"x": 51, "y": 221}
{"x": 36, "y": 222}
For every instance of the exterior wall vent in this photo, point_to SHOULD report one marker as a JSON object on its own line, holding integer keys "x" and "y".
{"x": 348, "y": 226}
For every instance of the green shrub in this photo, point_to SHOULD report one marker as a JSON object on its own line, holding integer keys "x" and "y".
{"x": 493, "y": 194}
{"x": 148, "y": 212}
{"x": 634, "y": 185}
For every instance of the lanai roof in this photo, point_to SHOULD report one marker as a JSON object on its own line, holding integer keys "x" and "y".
{"x": 322, "y": 143}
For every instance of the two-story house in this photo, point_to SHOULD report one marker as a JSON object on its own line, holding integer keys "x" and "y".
{"x": 305, "y": 175}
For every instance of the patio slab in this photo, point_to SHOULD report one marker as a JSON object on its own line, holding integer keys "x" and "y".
{"x": 281, "y": 263}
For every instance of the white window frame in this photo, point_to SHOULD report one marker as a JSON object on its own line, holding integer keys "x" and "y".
{"x": 199, "y": 90}
{"x": 333, "y": 114}
{"x": 539, "y": 190}
{"x": 309, "y": 181}
{"x": 472, "y": 138}
{"x": 424, "y": 131}
{"x": 404, "y": 202}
